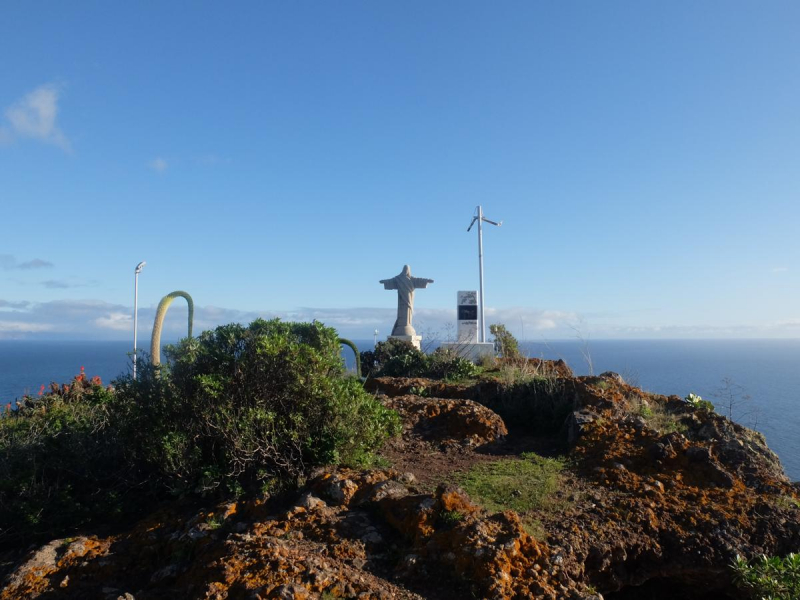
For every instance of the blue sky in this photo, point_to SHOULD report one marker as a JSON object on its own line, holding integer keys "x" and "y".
{"x": 278, "y": 159}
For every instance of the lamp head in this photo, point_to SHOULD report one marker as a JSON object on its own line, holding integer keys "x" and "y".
{"x": 139, "y": 267}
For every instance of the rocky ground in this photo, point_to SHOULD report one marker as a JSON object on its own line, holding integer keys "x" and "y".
{"x": 655, "y": 501}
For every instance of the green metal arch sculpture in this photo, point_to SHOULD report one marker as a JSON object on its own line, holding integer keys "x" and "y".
{"x": 161, "y": 312}
{"x": 347, "y": 342}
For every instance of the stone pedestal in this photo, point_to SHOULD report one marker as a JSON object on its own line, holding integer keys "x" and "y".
{"x": 471, "y": 350}
{"x": 414, "y": 339}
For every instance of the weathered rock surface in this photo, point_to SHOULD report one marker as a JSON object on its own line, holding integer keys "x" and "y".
{"x": 449, "y": 421}
{"x": 665, "y": 501}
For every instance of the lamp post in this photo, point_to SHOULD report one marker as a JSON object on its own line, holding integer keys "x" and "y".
{"x": 480, "y": 219}
{"x": 136, "y": 272}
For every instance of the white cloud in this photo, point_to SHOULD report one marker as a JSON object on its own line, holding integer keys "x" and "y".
{"x": 787, "y": 323}
{"x": 117, "y": 321}
{"x": 158, "y": 164}
{"x": 779, "y": 269}
{"x": 23, "y": 327}
{"x": 34, "y": 117}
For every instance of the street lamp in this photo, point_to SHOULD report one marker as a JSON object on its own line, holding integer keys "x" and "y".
{"x": 138, "y": 270}
{"x": 480, "y": 219}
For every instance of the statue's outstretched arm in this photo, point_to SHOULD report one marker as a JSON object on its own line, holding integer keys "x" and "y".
{"x": 421, "y": 282}
{"x": 389, "y": 284}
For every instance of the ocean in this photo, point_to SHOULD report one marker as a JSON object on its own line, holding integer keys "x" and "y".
{"x": 763, "y": 375}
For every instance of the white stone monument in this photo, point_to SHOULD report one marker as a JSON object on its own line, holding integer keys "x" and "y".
{"x": 467, "y": 344}
{"x": 405, "y": 285}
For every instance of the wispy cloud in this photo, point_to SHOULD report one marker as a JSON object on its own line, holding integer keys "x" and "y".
{"x": 158, "y": 164}
{"x": 34, "y": 117}
{"x": 36, "y": 263}
{"x": 63, "y": 284}
{"x": 779, "y": 269}
{"x": 56, "y": 284}
{"x": 8, "y": 262}
{"x": 12, "y": 304}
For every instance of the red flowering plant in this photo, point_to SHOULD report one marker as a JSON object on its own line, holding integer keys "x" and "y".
{"x": 80, "y": 386}
{"x": 59, "y": 459}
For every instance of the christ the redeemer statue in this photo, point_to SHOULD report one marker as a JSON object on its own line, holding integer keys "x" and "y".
{"x": 405, "y": 285}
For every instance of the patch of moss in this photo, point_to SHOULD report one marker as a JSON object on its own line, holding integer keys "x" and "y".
{"x": 526, "y": 485}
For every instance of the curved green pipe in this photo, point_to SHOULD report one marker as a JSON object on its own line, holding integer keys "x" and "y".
{"x": 161, "y": 312}
{"x": 347, "y": 342}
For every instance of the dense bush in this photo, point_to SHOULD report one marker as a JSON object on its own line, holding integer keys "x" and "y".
{"x": 394, "y": 358}
{"x": 240, "y": 407}
{"x": 399, "y": 358}
{"x": 446, "y": 364}
{"x": 237, "y": 409}
{"x": 61, "y": 462}
{"x": 773, "y": 577}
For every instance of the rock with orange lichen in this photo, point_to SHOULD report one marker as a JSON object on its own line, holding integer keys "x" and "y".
{"x": 679, "y": 504}
{"x": 661, "y": 503}
{"x": 448, "y": 421}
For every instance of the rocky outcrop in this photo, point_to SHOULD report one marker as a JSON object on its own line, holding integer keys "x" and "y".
{"x": 448, "y": 421}
{"x": 657, "y": 494}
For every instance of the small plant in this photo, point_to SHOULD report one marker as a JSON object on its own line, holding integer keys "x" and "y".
{"x": 645, "y": 411}
{"x": 773, "y": 578}
{"x": 698, "y": 403}
{"x": 444, "y": 364}
{"x": 214, "y": 521}
{"x": 420, "y": 391}
{"x": 787, "y": 502}
{"x": 450, "y": 517}
{"x": 505, "y": 342}
{"x": 656, "y": 415}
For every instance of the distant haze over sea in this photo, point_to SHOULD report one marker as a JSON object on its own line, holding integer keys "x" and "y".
{"x": 766, "y": 370}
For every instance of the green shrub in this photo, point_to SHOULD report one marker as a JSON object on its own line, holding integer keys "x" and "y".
{"x": 61, "y": 462}
{"x": 393, "y": 358}
{"x": 399, "y": 358}
{"x": 445, "y": 364}
{"x": 242, "y": 405}
{"x": 698, "y": 403}
{"x": 505, "y": 342}
{"x": 769, "y": 577}
{"x": 238, "y": 409}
